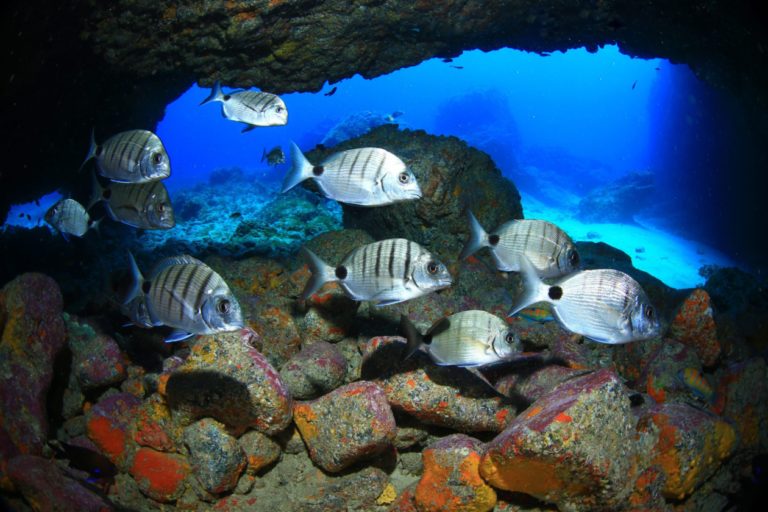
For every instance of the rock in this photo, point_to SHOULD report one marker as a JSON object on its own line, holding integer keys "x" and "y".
{"x": 216, "y": 457}
{"x": 96, "y": 358}
{"x": 155, "y": 427}
{"x": 355, "y": 125}
{"x": 260, "y": 450}
{"x": 741, "y": 397}
{"x": 159, "y": 475}
{"x": 662, "y": 377}
{"x": 574, "y": 447}
{"x": 316, "y": 370}
{"x": 405, "y": 502}
{"x": 444, "y": 396}
{"x": 227, "y": 379}
{"x": 108, "y": 425}
{"x": 45, "y": 487}
{"x": 692, "y": 444}
{"x": 694, "y": 325}
{"x": 357, "y": 491}
{"x": 532, "y": 385}
{"x": 451, "y": 175}
{"x": 618, "y": 201}
{"x": 330, "y": 317}
{"x": 451, "y": 480}
{"x": 31, "y": 335}
{"x": 346, "y": 425}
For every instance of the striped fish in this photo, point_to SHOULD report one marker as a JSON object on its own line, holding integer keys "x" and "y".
{"x": 250, "y": 107}
{"x": 141, "y": 205}
{"x": 69, "y": 218}
{"x": 385, "y": 272}
{"x": 547, "y": 247}
{"x": 135, "y": 156}
{"x": 186, "y": 294}
{"x": 468, "y": 338}
{"x": 363, "y": 176}
{"x": 604, "y": 305}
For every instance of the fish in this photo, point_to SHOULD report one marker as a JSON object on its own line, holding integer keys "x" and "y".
{"x": 331, "y": 92}
{"x": 469, "y": 338}
{"x": 363, "y": 176}
{"x": 457, "y": 67}
{"x": 141, "y": 205}
{"x": 134, "y": 156}
{"x": 137, "y": 311}
{"x": 21, "y": 215}
{"x": 447, "y": 59}
{"x": 694, "y": 381}
{"x": 390, "y": 118}
{"x": 250, "y": 107}
{"x": 546, "y": 246}
{"x": 29, "y": 217}
{"x": 274, "y": 157}
{"x": 81, "y": 458}
{"x": 384, "y": 272}
{"x": 235, "y": 215}
{"x": 634, "y": 84}
{"x": 186, "y": 294}
{"x": 605, "y": 305}
{"x": 537, "y": 314}
{"x": 70, "y": 218}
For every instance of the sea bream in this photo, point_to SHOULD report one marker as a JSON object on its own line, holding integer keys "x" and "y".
{"x": 186, "y": 294}
{"x": 547, "y": 247}
{"x": 385, "y": 272}
{"x": 469, "y": 338}
{"x": 250, "y": 107}
{"x": 605, "y": 305}
{"x": 141, "y": 205}
{"x": 69, "y": 218}
{"x": 363, "y": 176}
{"x": 135, "y": 156}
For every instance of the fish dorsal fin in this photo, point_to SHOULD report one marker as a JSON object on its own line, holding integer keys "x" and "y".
{"x": 438, "y": 327}
{"x": 183, "y": 259}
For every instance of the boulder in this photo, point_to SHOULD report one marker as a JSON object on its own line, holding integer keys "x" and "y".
{"x": 620, "y": 200}
{"x": 96, "y": 358}
{"x": 109, "y": 424}
{"x": 316, "y": 370}
{"x": 260, "y": 450}
{"x": 159, "y": 475}
{"x": 694, "y": 325}
{"x": 216, "y": 457}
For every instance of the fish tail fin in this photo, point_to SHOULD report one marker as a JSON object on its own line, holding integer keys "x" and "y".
{"x": 414, "y": 337}
{"x": 216, "y": 94}
{"x": 92, "y": 150}
{"x": 534, "y": 289}
{"x": 97, "y": 191}
{"x": 96, "y": 225}
{"x": 321, "y": 273}
{"x": 300, "y": 170}
{"x": 137, "y": 280}
{"x": 478, "y": 238}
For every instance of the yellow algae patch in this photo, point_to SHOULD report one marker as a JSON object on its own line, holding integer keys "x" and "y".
{"x": 387, "y": 496}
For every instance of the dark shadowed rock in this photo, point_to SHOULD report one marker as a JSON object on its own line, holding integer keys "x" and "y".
{"x": 96, "y": 358}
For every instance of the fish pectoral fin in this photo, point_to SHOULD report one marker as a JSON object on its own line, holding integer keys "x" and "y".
{"x": 388, "y": 302}
{"x": 248, "y": 128}
{"x": 178, "y": 335}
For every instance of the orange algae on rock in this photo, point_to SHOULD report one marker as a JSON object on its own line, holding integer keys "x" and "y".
{"x": 108, "y": 438}
{"x": 159, "y": 475}
{"x": 694, "y": 325}
{"x": 306, "y": 420}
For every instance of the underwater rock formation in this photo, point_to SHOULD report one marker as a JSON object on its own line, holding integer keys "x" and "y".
{"x": 620, "y": 200}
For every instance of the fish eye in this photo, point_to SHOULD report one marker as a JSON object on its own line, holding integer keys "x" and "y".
{"x": 573, "y": 258}
{"x": 279, "y": 108}
{"x": 226, "y": 97}
{"x": 157, "y": 158}
{"x": 509, "y": 338}
{"x": 223, "y": 306}
{"x": 650, "y": 314}
{"x": 403, "y": 177}
{"x": 161, "y": 207}
{"x": 432, "y": 267}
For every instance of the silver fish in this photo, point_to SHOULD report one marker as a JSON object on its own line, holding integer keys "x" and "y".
{"x": 135, "y": 156}
{"x": 547, "y": 247}
{"x": 385, "y": 272}
{"x": 275, "y": 156}
{"x": 604, "y": 305}
{"x": 136, "y": 309}
{"x": 186, "y": 294}
{"x": 69, "y": 218}
{"x": 468, "y": 338}
{"x": 141, "y": 205}
{"x": 363, "y": 176}
{"x": 250, "y": 107}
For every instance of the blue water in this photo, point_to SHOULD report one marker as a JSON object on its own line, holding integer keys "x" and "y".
{"x": 557, "y": 125}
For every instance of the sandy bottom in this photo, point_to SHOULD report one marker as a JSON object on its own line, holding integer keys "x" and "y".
{"x": 673, "y": 260}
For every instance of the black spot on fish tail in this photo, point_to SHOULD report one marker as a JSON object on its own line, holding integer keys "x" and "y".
{"x": 555, "y": 293}
{"x": 107, "y": 193}
{"x": 146, "y": 286}
{"x": 341, "y": 272}
{"x": 493, "y": 239}
{"x": 636, "y": 399}
{"x": 318, "y": 170}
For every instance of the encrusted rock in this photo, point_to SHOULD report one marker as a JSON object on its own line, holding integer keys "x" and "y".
{"x": 741, "y": 398}
{"x": 159, "y": 475}
{"x": 532, "y": 385}
{"x": 96, "y": 358}
{"x": 694, "y": 325}
{"x": 316, "y": 370}
{"x": 154, "y": 426}
{"x": 573, "y": 447}
{"x": 216, "y": 457}
{"x": 662, "y": 377}
{"x": 227, "y": 379}
{"x": 108, "y": 426}
{"x": 31, "y": 335}
{"x": 691, "y": 445}
{"x": 451, "y": 480}
{"x": 45, "y": 487}
{"x": 346, "y": 425}
{"x": 437, "y": 395}
{"x": 260, "y": 450}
